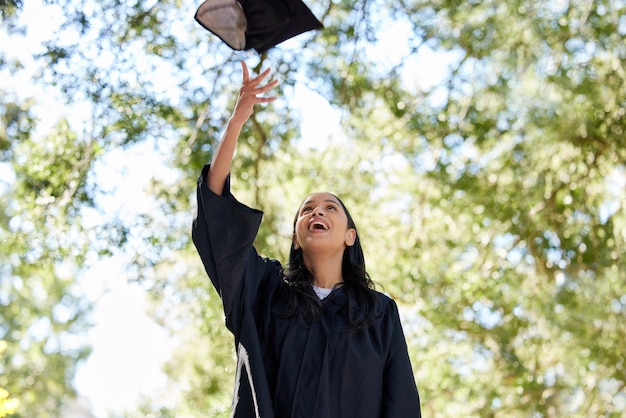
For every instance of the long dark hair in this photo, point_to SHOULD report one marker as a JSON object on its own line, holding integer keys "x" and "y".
{"x": 302, "y": 300}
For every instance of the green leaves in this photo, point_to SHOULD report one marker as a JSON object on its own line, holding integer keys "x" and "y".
{"x": 41, "y": 241}
{"x": 481, "y": 152}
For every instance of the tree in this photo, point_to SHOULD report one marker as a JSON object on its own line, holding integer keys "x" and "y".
{"x": 490, "y": 197}
{"x": 43, "y": 310}
{"x": 8, "y": 405}
{"x": 514, "y": 229}
{"x": 45, "y": 243}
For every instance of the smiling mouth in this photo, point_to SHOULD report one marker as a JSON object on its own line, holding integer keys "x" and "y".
{"x": 320, "y": 226}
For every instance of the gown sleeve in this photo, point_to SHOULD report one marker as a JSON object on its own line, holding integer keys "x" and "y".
{"x": 223, "y": 232}
{"x": 400, "y": 395}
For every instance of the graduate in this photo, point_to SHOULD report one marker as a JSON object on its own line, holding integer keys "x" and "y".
{"x": 313, "y": 338}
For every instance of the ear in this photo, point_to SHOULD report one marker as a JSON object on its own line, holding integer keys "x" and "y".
{"x": 350, "y": 237}
{"x": 296, "y": 244}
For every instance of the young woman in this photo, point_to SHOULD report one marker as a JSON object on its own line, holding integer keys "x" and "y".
{"x": 314, "y": 340}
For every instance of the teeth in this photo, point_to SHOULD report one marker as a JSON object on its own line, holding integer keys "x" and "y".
{"x": 324, "y": 227}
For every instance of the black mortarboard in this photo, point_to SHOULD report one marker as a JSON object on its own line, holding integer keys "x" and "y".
{"x": 256, "y": 24}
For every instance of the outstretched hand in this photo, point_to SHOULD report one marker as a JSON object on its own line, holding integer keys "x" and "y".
{"x": 249, "y": 94}
{"x": 248, "y": 97}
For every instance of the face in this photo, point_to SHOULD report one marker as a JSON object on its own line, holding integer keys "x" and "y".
{"x": 322, "y": 225}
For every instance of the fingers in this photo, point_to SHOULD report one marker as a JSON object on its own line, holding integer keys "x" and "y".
{"x": 264, "y": 88}
{"x": 251, "y": 85}
{"x": 246, "y": 73}
{"x": 250, "y": 93}
{"x": 261, "y": 99}
{"x": 266, "y": 99}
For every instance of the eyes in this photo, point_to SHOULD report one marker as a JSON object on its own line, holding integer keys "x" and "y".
{"x": 331, "y": 207}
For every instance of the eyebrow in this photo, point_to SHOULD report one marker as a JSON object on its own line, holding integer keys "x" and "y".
{"x": 325, "y": 200}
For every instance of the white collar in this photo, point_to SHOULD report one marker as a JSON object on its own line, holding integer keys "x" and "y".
{"x": 321, "y": 292}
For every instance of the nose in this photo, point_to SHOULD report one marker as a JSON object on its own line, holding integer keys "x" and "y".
{"x": 319, "y": 211}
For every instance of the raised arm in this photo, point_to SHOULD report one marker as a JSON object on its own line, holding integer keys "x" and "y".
{"x": 248, "y": 97}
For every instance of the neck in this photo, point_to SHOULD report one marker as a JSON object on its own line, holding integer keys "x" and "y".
{"x": 326, "y": 272}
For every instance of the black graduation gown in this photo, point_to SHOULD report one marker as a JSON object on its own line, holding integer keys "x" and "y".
{"x": 286, "y": 369}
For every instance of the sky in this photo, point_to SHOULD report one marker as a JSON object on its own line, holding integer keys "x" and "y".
{"x": 129, "y": 348}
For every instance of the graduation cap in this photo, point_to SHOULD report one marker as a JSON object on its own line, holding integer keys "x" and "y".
{"x": 256, "y": 24}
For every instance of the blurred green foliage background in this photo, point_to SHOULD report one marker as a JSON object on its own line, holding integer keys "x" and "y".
{"x": 481, "y": 147}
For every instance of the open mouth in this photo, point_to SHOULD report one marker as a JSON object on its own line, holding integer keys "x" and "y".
{"x": 318, "y": 225}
